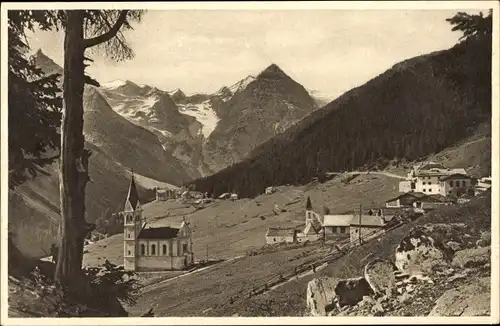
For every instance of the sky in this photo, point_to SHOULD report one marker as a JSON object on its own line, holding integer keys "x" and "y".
{"x": 330, "y": 51}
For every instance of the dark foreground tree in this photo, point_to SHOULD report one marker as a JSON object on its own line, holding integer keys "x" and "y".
{"x": 84, "y": 29}
{"x": 33, "y": 101}
{"x": 473, "y": 27}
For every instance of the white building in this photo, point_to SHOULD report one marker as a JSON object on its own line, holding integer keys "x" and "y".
{"x": 432, "y": 178}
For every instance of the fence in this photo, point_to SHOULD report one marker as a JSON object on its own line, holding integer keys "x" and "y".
{"x": 345, "y": 247}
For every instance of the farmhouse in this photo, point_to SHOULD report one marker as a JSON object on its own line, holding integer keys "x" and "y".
{"x": 336, "y": 226}
{"x": 163, "y": 194}
{"x": 455, "y": 184}
{"x": 278, "y": 235}
{"x": 368, "y": 225}
{"x": 483, "y": 184}
{"x": 433, "y": 178}
{"x": 152, "y": 248}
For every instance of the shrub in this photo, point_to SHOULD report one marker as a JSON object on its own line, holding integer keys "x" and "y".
{"x": 113, "y": 279}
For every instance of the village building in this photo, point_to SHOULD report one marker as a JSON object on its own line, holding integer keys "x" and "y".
{"x": 482, "y": 185}
{"x": 313, "y": 230}
{"x": 270, "y": 190}
{"x": 368, "y": 226}
{"x": 417, "y": 201}
{"x": 280, "y": 235}
{"x": 432, "y": 178}
{"x": 337, "y": 226}
{"x": 455, "y": 185}
{"x": 148, "y": 248}
{"x": 163, "y": 194}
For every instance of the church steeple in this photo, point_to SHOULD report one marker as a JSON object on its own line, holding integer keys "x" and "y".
{"x": 308, "y": 204}
{"x": 133, "y": 196}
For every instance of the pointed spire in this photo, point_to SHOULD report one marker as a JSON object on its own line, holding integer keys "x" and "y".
{"x": 133, "y": 196}
{"x": 308, "y": 204}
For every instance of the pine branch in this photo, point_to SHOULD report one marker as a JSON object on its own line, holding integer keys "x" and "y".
{"x": 109, "y": 34}
{"x": 91, "y": 81}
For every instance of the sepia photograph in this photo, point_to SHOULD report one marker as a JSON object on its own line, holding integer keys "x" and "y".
{"x": 190, "y": 160}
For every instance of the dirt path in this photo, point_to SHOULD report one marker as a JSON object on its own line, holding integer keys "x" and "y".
{"x": 388, "y": 174}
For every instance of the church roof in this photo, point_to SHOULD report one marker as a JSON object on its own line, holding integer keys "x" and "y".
{"x": 133, "y": 195}
{"x": 164, "y": 232}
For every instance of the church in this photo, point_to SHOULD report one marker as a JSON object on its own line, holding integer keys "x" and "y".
{"x": 153, "y": 248}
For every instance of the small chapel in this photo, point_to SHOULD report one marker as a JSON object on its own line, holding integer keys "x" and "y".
{"x": 148, "y": 248}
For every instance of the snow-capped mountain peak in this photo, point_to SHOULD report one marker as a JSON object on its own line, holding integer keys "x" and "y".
{"x": 113, "y": 84}
{"x": 225, "y": 93}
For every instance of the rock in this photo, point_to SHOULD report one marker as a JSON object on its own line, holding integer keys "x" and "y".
{"x": 379, "y": 274}
{"x": 320, "y": 295}
{"x": 410, "y": 288}
{"x": 468, "y": 300}
{"x": 455, "y": 277}
{"x": 481, "y": 243}
{"x": 351, "y": 291}
{"x": 367, "y": 301}
{"x": 486, "y": 236}
{"x": 454, "y": 245}
{"x": 377, "y": 309}
{"x": 422, "y": 249}
{"x": 472, "y": 257}
{"x": 404, "y": 297}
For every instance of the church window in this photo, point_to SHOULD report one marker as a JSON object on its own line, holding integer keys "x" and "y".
{"x": 129, "y": 252}
{"x": 153, "y": 250}
{"x": 143, "y": 250}
{"x": 164, "y": 250}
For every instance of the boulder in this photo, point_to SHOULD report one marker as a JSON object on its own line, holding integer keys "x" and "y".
{"x": 472, "y": 257}
{"x": 380, "y": 276}
{"x": 351, "y": 291}
{"x": 424, "y": 247}
{"x": 320, "y": 295}
{"x": 468, "y": 300}
{"x": 454, "y": 245}
{"x": 486, "y": 237}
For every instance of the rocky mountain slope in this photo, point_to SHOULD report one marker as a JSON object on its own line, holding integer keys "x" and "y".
{"x": 419, "y": 107}
{"x": 153, "y": 109}
{"x": 253, "y": 111}
{"x": 117, "y": 146}
{"x": 388, "y": 276}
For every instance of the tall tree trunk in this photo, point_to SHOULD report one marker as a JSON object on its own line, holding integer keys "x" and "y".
{"x": 74, "y": 157}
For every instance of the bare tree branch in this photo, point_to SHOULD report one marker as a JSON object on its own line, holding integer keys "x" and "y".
{"x": 109, "y": 34}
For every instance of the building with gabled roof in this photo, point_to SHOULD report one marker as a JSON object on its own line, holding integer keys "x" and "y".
{"x": 367, "y": 225}
{"x": 152, "y": 248}
{"x": 279, "y": 235}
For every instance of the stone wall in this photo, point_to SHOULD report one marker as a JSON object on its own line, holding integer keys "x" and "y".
{"x": 162, "y": 262}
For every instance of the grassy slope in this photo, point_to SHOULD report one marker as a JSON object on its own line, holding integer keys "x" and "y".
{"x": 290, "y": 299}
{"x": 226, "y": 231}
{"x": 232, "y": 228}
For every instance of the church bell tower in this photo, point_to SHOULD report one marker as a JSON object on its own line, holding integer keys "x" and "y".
{"x": 132, "y": 220}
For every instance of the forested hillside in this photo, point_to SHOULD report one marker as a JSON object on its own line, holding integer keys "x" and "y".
{"x": 415, "y": 109}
